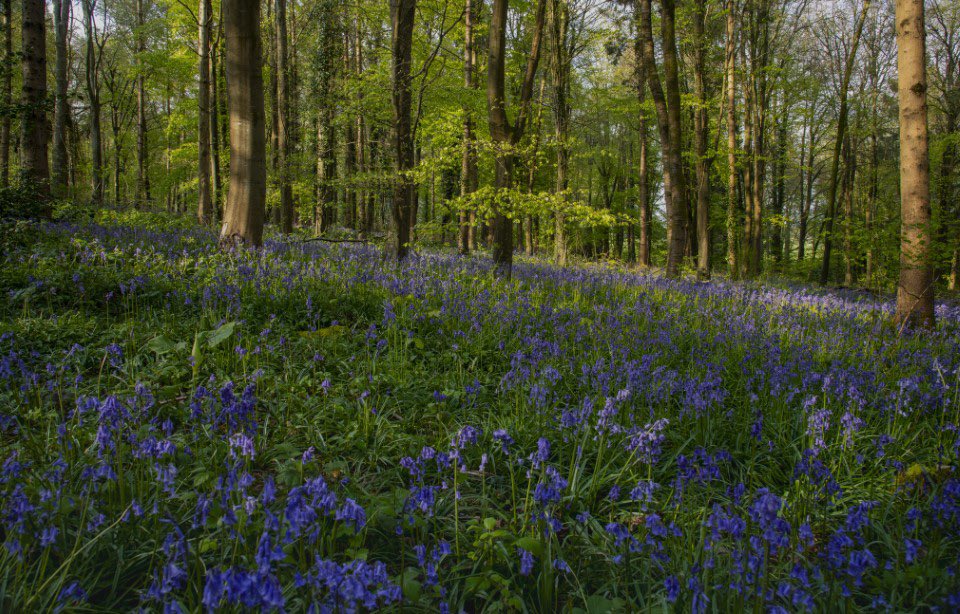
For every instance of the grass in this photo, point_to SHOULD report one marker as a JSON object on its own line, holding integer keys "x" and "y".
{"x": 188, "y": 429}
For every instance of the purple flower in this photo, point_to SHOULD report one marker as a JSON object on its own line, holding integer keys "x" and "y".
{"x": 526, "y": 562}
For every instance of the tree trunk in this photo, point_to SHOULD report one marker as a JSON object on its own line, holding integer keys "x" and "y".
{"x": 328, "y": 59}
{"x": 34, "y": 128}
{"x": 915, "y": 287}
{"x": 143, "y": 178}
{"x": 701, "y": 128}
{"x": 93, "y": 95}
{"x": 560, "y": 67}
{"x": 205, "y": 212}
{"x": 244, "y": 214}
{"x": 214, "y": 122}
{"x": 468, "y": 171}
{"x": 403, "y": 13}
{"x": 6, "y": 92}
{"x": 838, "y": 145}
{"x": 61, "y": 23}
{"x": 733, "y": 214}
{"x": 668, "y": 120}
{"x": 283, "y": 120}
{"x": 504, "y": 136}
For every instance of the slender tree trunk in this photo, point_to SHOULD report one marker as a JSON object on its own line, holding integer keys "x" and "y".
{"x": 330, "y": 40}
{"x": 779, "y": 183}
{"x": 283, "y": 119}
{"x": 668, "y": 127}
{"x": 671, "y": 78}
{"x": 560, "y": 67}
{"x": 504, "y": 136}
{"x": 34, "y": 129}
{"x": 214, "y": 122}
{"x": 833, "y": 186}
{"x": 733, "y": 214}
{"x": 244, "y": 215}
{"x": 915, "y": 288}
{"x": 6, "y": 92}
{"x": 61, "y": 22}
{"x": 205, "y": 207}
{"x": 143, "y": 178}
{"x": 93, "y": 95}
{"x": 850, "y": 173}
{"x": 468, "y": 171}
{"x": 701, "y": 137}
{"x": 403, "y": 14}
{"x": 643, "y": 170}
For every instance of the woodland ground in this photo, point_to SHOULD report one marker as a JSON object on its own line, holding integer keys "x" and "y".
{"x": 312, "y": 426}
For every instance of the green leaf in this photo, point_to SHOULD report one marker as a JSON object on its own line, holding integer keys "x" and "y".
{"x": 530, "y": 544}
{"x": 221, "y": 334}
{"x": 161, "y": 345}
{"x": 411, "y": 586}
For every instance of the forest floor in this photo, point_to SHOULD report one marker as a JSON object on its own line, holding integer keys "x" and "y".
{"x": 187, "y": 429}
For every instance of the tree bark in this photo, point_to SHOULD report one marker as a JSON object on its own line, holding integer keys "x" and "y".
{"x": 283, "y": 120}
{"x": 468, "y": 171}
{"x": 560, "y": 67}
{"x": 6, "y": 92}
{"x": 915, "y": 287}
{"x": 244, "y": 215}
{"x": 143, "y": 178}
{"x": 61, "y": 22}
{"x": 205, "y": 210}
{"x": 92, "y": 66}
{"x": 733, "y": 214}
{"x": 34, "y": 129}
{"x": 506, "y": 137}
{"x": 403, "y": 13}
{"x": 668, "y": 120}
{"x": 701, "y": 137}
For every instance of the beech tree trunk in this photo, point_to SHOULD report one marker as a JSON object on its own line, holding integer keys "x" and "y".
{"x": 244, "y": 214}
{"x": 6, "y": 92}
{"x": 560, "y": 67}
{"x": 34, "y": 129}
{"x": 915, "y": 287}
{"x": 283, "y": 120}
{"x": 733, "y": 213}
{"x": 205, "y": 208}
{"x": 403, "y": 13}
{"x": 505, "y": 137}
{"x": 143, "y": 179}
{"x": 468, "y": 171}
{"x": 668, "y": 120}
{"x": 92, "y": 70}
{"x": 61, "y": 117}
{"x": 701, "y": 128}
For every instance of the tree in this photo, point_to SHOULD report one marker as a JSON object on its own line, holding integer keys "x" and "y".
{"x": 701, "y": 136}
{"x": 668, "y": 126}
{"x": 205, "y": 206}
{"x": 560, "y": 68}
{"x": 730, "y": 77}
{"x": 33, "y": 138}
{"x": 244, "y": 214}
{"x": 402, "y": 15}
{"x": 94, "y": 51}
{"x": 61, "y": 22}
{"x": 504, "y": 135}
{"x": 143, "y": 174}
{"x": 468, "y": 173}
{"x": 6, "y": 92}
{"x": 915, "y": 287}
{"x": 284, "y": 142}
{"x": 838, "y": 143}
